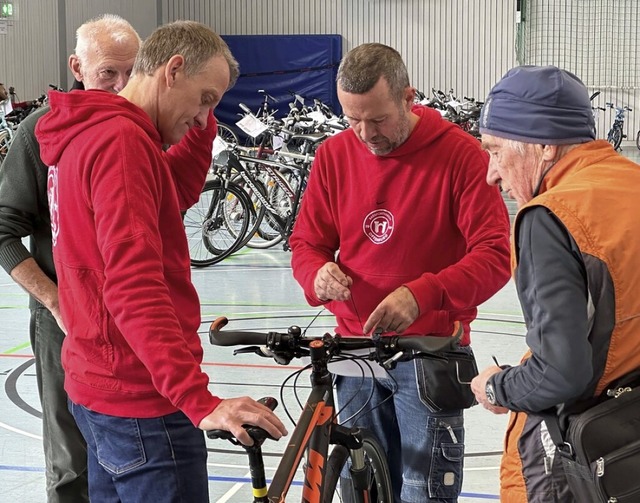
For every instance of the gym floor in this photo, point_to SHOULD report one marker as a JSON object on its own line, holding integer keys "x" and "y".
{"x": 255, "y": 290}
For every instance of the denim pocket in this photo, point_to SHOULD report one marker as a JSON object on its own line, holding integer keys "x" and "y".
{"x": 445, "y": 475}
{"x": 117, "y": 440}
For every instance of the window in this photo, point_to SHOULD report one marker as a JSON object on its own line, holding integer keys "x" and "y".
{"x": 6, "y": 10}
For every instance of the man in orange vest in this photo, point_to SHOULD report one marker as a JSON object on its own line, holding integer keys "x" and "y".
{"x": 575, "y": 243}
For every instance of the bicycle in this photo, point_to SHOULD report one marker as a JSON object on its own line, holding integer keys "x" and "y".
{"x": 595, "y": 111}
{"x": 6, "y": 134}
{"x": 616, "y": 132}
{"x": 226, "y": 136}
{"x": 276, "y": 197}
{"x": 217, "y": 223}
{"x": 264, "y": 113}
{"x": 226, "y": 133}
{"x": 355, "y": 450}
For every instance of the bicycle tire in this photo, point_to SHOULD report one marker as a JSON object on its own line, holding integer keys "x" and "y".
{"x": 226, "y": 134}
{"x": 268, "y": 233}
{"x": 258, "y": 209}
{"x": 5, "y": 143}
{"x": 378, "y": 487}
{"x": 615, "y": 137}
{"x": 638, "y": 140}
{"x": 210, "y": 240}
{"x": 263, "y": 233}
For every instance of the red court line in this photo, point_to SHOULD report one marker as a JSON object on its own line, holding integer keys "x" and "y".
{"x": 253, "y": 366}
{"x": 208, "y": 364}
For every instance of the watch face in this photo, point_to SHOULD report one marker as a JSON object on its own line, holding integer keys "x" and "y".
{"x": 491, "y": 395}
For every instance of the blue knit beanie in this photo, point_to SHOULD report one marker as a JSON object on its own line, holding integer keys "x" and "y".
{"x": 539, "y": 104}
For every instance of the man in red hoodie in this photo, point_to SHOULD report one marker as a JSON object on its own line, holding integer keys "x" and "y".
{"x": 398, "y": 232}
{"x": 132, "y": 354}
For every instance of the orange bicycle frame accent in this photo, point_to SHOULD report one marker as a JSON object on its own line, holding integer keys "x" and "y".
{"x": 313, "y": 432}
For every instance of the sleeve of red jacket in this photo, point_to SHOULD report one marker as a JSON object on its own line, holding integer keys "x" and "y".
{"x": 315, "y": 240}
{"x": 190, "y": 160}
{"x": 126, "y": 201}
{"x": 482, "y": 218}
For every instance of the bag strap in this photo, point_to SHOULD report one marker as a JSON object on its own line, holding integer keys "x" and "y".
{"x": 552, "y": 419}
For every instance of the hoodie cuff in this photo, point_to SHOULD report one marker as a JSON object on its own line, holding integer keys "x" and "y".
{"x": 427, "y": 291}
{"x": 197, "y": 406}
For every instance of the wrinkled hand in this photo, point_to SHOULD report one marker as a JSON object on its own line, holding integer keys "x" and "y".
{"x": 331, "y": 283}
{"x": 395, "y": 313}
{"x": 478, "y": 385}
{"x": 232, "y": 413}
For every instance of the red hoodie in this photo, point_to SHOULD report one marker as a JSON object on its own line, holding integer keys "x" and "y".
{"x": 121, "y": 256}
{"x": 421, "y": 216}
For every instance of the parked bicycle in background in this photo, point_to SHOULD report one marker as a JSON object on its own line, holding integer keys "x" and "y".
{"x": 616, "y": 132}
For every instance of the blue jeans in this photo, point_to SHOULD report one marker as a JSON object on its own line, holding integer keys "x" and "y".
{"x": 157, "y": 460}
{"x": 65, "y": 451}
{"x": 424, "y": 449}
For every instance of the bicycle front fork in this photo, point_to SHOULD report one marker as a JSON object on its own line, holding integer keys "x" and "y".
{"x": 352, "y": 440}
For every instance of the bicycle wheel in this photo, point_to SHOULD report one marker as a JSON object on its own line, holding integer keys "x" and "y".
{"x": 226, "y": 134}
{"x": 5, "y": 142}
{"x": 374, "y": 485}
{"x": 615, "y": 137}
{"x": 207, "y": 223}
{"x": 264, "y": 232}
{"x": 269, "y": 233}
{"x": 638, "y": 140}
{"x": 259, "y": 210}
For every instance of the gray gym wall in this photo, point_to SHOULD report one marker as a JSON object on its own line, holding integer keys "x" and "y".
{"x": 465, "y": 45}
{"x": 461, "y": 44}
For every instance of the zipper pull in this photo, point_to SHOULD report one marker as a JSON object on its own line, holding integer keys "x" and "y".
{"x": 599, "y": 467}
{"x": 615, "y": 393}
{"x": 448, "y": 427}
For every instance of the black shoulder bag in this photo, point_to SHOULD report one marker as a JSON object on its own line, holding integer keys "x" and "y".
{"x": 600, "y": 447}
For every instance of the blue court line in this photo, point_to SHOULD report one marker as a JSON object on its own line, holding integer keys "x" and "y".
{"x": 241, "y": 480}
{"x": 9, "y": 468}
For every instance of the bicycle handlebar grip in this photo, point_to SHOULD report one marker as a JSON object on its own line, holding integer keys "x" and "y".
{"x": 433, "y": 344}
{"x": 244, "y": 107}
{"x": 268, "y": 401}
{"x": 230, "y": 338}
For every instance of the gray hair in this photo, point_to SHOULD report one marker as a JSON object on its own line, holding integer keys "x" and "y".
{"x": 516, "y": 146}
{"x": 195, "y": 42}
{"x": 119, "y": 29}
{"x": 361, "y": 69}
{"x": 520, "y": 147}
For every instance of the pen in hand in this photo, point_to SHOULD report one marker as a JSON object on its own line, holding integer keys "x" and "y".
{"x": 497, "y": 364}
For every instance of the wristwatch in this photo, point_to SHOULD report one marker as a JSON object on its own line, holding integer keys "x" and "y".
{"x": 491, "y": 393}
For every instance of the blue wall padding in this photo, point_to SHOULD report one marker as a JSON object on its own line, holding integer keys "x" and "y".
{"x": 304, "y": 64}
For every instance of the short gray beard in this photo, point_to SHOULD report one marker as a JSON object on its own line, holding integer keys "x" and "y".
{"x": 402, "y": 134}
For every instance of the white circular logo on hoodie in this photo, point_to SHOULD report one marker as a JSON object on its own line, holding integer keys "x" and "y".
{"x": 52, "y": 196}
{"x": 378, "y": 226}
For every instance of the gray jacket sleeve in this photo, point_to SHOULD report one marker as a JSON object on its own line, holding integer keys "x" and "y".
{"x": 23, "y": 206}
{"x": 552, "y": 288}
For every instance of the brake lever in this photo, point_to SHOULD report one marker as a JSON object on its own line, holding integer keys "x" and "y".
{"x": 250, "y": 349}
{"x": 391, "y": 363}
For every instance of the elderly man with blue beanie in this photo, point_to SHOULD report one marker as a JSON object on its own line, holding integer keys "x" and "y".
{"x": 575, "y": 248}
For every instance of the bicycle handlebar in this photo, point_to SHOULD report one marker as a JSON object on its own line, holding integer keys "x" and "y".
{"x": 293, "y": 340}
